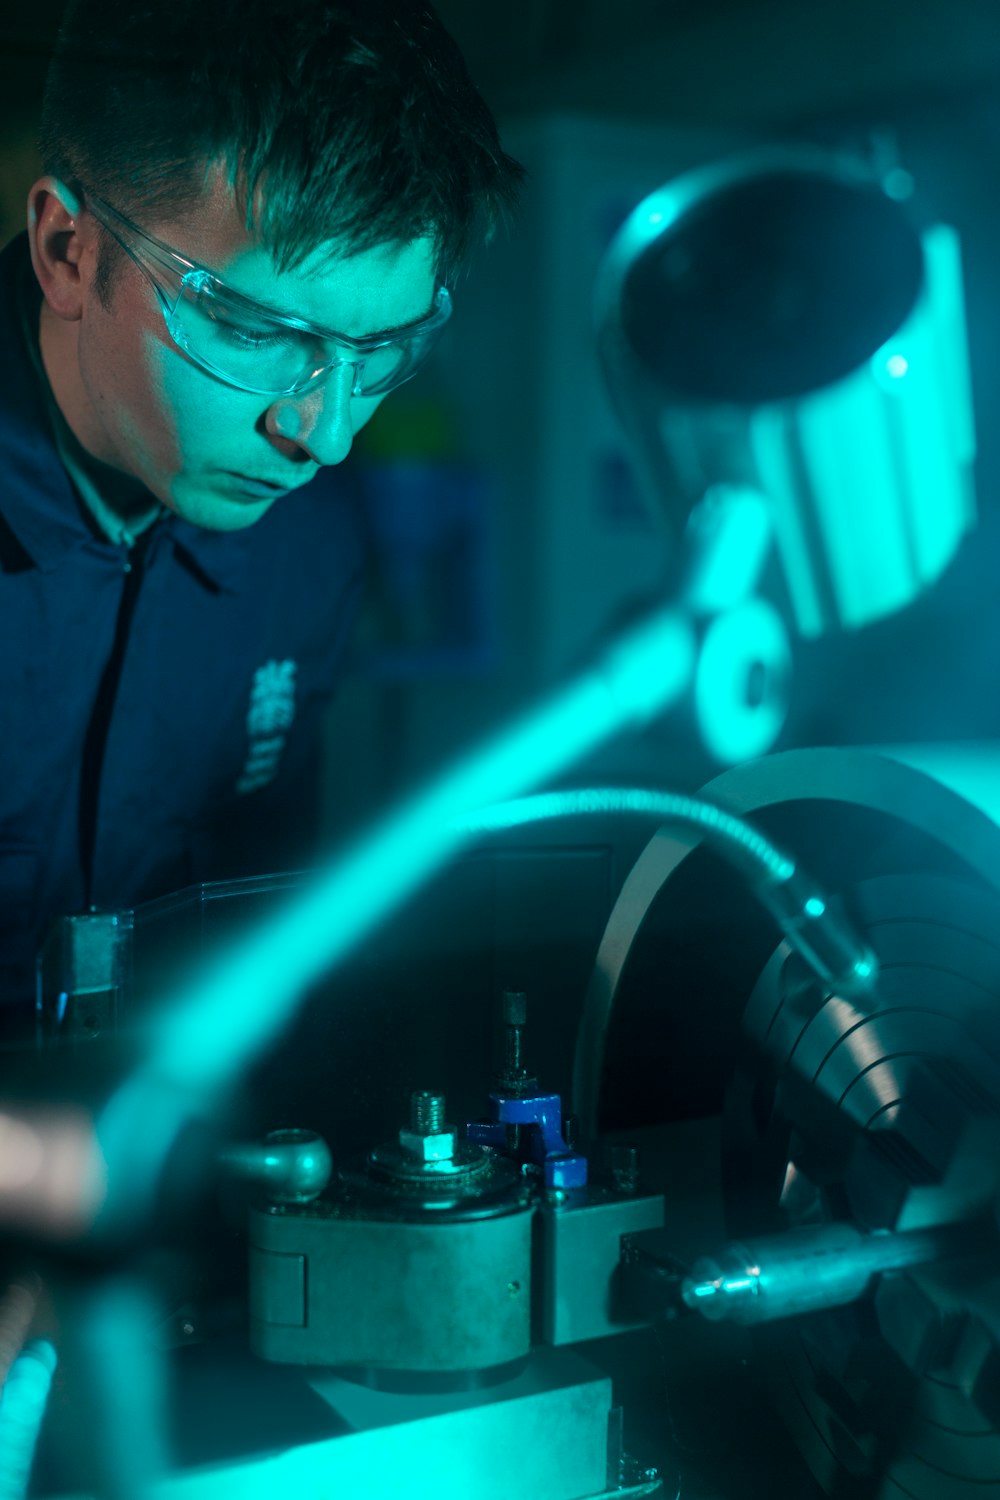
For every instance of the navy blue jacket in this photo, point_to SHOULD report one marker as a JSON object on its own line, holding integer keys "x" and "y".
{"x": 160, "y": 711}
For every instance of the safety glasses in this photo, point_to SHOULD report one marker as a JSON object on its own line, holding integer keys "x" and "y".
{"x": 254, "y": 349}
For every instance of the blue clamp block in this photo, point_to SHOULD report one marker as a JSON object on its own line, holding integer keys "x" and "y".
{"x": 561, "y": 1167}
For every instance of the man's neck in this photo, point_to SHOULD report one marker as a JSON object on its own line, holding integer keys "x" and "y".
{"x": 121, "y": 506}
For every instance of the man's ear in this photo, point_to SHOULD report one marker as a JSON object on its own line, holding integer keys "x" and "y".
{"x": 57, "y": 246}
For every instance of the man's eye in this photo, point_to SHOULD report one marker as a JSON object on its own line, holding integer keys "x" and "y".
{"x": 251, "y": 338}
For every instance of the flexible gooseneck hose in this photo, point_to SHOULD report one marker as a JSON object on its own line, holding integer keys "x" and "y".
{"x": 737, "y": 840}
{"x": 814, "y": 926}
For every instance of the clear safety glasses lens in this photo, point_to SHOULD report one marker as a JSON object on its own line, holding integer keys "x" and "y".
{"x": 265, "y": 355}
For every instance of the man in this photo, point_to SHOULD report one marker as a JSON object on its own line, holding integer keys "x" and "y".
{"x": 241, "y": 243}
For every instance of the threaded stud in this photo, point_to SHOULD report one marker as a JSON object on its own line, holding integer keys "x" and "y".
{"x": 426, "y": 1112}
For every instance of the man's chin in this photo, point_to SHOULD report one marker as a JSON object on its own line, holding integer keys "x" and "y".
{"x": 215, "y": 512}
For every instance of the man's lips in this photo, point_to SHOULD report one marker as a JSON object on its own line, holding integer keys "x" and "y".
{"x": 262, "y": 488}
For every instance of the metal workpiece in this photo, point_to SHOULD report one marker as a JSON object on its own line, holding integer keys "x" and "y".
{"x": 812, "y": 1268}
{"x": 579, "y": 1256}
{"x": 291, "y": 1166}
{"x": 376, "y": 1295}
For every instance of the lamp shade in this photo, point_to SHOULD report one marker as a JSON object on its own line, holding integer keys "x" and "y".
{"x": 776, "y": 321}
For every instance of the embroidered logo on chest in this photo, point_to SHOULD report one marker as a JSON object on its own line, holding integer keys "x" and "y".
{"x": 269, "y": 718}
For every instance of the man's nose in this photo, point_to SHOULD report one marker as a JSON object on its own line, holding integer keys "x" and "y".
{"x": 317, "y": 422}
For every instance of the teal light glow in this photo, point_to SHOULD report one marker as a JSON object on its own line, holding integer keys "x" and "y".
{"x": 970, "y": 769}
{"x": 22, "y": 1406}
{"x": 815, "y": 907}
{"x": 870, "y": 478}
{"x": 898, "y": 183}
{"x": 741, "y": 682}
{"x": 705, "y": 1289}
{"x": 861, "y": 496}
{"x": 728, "y": 539}
{"x": 743, "y": 1284}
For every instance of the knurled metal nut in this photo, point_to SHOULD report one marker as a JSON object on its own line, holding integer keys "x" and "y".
{"x": 441, "y": 1146}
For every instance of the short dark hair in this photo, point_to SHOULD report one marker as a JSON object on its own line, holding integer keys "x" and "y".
{"x": 353, "y": 122}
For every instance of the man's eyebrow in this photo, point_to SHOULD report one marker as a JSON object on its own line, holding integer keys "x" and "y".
{"x": 381, "y": 333}
{"x": 275, "y": 312}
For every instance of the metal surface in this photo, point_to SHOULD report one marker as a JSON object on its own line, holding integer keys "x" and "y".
{"x": 893, "y": 1120}
{"x": 580, "y": 1246}
{"x": 435, "y": 1297}
{"x": 542, "y": 1435}
{"x": 428, "y": 1142}
{"x": 292, "y": 1166}
{"x": 426, "y": 1112}
{"x": 820, "y": 1266}
{"x": 429, "y": 1156}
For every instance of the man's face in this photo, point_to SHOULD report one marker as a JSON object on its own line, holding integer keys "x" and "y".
{"x": 139, "y": 404}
